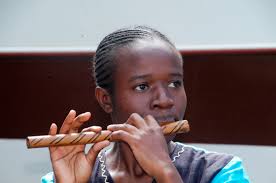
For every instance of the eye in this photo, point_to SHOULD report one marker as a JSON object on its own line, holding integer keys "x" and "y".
{"x": 175, "y": 84}
{"x": 141, "y": 87}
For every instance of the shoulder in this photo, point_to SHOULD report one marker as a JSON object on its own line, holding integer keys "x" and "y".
{"x": 197, "y": 155}
{"x": 199, "y": 165}
{"x": 232, "y": 172}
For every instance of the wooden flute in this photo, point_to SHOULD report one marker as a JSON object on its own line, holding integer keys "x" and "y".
{"x": 92, "y": 137}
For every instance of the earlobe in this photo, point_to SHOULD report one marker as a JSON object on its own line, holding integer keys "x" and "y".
{"x": 104, "y": 99}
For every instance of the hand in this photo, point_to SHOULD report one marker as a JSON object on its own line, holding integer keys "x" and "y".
{"x": 70, "y": 163}
{"x": 147, "y": 142}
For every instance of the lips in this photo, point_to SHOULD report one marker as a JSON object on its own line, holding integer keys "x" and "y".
{"x": 169, "y": 118}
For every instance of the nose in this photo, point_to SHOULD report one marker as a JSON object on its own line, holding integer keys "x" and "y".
{"x": 162, "y": 99}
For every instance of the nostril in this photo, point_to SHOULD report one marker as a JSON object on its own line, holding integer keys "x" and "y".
{"x": 162, "y": 98}
{"x": 163, "y": 103}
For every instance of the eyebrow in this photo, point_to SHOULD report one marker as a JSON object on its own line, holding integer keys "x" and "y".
{"x": 133, "y": 78}
{"x": 176, "y": 74}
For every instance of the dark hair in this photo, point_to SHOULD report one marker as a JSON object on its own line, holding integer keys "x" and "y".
{"x": 104, "y": 59}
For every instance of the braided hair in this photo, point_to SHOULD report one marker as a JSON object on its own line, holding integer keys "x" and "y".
{"x": 105, "y": 56}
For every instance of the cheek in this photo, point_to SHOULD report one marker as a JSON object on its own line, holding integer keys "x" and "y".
{"x": 181, "y": 103}
{"x": 126, "y": 104}
{"x": 135, "y": 104}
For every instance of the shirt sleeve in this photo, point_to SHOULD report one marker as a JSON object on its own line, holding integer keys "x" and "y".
{"x": 233, "y": 172}
{"x": 48, "y": 178}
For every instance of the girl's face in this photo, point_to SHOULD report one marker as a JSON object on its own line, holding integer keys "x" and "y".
{"x": 148, "y": 79}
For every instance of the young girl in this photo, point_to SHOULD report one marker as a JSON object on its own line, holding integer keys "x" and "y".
{"x": 139, "y": 79}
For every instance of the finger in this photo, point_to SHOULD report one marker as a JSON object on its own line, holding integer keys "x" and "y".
{"x": 66, "y": 125}
{"x": 53, "y": 129}
{"x": 78, "y": 121}
{"x": 121, "y": 135}
{"x": 124, "y": 127}
{"x": 95, "y": 129}
{"x": 136, "y": 120}
{"x": 94, "y": 151}
{"x": 151, "y": 121}
{"x": 153, "y": 124}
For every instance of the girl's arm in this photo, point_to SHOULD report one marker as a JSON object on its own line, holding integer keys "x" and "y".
{"x": 169, "y": 174}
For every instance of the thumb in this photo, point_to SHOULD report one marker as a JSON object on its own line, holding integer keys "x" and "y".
{"x": 94, "y": 151}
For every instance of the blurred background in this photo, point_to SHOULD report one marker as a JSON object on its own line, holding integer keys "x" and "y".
{"x": 229, "y": 51}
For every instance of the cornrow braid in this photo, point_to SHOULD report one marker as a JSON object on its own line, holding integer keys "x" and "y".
{"x": 104, "y": 59}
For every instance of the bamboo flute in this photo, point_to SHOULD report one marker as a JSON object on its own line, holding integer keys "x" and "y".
{"x": 92, "y": 137}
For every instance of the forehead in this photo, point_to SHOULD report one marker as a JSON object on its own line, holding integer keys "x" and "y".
{"x": 148, "y": 56}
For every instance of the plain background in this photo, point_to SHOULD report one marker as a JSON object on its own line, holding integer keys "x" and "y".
{"x": 70, "y": 23}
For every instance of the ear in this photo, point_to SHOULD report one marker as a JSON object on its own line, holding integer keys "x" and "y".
{"x": 104, "y": 99}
